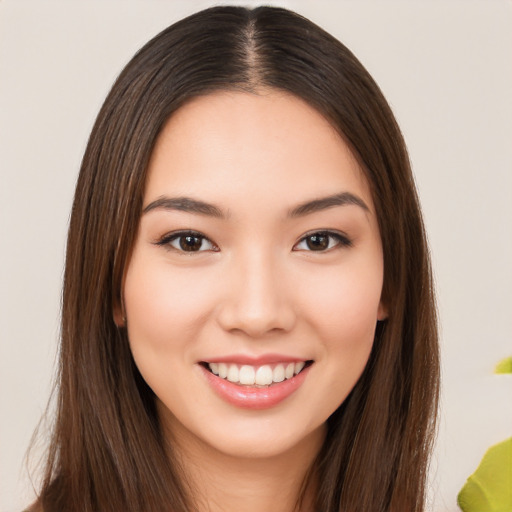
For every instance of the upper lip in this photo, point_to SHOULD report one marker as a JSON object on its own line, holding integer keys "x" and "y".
{"x": 255, "y": 360}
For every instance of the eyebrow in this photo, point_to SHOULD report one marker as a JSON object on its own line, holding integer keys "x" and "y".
{"x": 185, "y": 204}
{"x": 316, "y": 205}
{"x": 190, "y": 205}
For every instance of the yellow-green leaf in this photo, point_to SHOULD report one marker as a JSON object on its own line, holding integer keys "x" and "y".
{"x": 504, "y": 366}
{"x": 489, "y": 488}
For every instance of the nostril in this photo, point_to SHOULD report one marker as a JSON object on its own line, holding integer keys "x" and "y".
{"x": 256, "y": 322}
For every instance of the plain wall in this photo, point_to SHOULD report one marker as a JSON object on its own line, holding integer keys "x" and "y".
{"x": 445, "y": 67}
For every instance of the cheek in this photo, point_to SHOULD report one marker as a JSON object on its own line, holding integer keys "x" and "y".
{"x": 345, "y": 304}
{"x": 164, "y": 307}
{"x": 343, "y": 315}
{"x": 346, "y": 318}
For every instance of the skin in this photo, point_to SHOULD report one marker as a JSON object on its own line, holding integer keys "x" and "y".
{"x": 254, "y": 287}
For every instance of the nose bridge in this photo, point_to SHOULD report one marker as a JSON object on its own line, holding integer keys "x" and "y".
{"x": 257, "y": 299}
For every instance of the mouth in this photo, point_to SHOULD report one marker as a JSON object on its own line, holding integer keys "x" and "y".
{"x": 256, "y": 376}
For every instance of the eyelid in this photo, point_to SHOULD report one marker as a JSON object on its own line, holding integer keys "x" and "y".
{"x": 342, "y": 239}
{"x": 165, "y": 241}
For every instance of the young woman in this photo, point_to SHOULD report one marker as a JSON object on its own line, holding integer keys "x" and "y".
{"x": 248, "y": 313}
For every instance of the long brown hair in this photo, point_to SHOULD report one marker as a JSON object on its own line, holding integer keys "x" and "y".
{"x": 108, "y": 452}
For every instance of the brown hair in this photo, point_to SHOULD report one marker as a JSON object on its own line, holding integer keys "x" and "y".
{"x": 107, "y": 450}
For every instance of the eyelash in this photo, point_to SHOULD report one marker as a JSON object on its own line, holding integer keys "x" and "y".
{"x": 340, "y": 240}
{"x": 166, "y": 241}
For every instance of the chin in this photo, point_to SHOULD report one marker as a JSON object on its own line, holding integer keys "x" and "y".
{"x": 246, "y": 434}
{"x": 256, "y": 445}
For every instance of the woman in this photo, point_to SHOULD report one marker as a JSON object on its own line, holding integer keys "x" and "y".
{"x": 248, "y": 315}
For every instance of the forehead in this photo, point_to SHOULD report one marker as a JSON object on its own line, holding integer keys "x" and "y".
{"x": 270, "y": 145}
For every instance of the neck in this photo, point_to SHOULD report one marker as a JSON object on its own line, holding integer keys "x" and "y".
{"x": 220, "y": 482}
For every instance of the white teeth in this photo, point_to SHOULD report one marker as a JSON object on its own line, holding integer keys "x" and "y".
{"x": 290, "y": 369}
{"x": 264, "y": 375}
{"x": 299, "y": 366}
{"x": 223, "y": 370}
{"x": 278, "y": 373}
{"x": 248, "y": 375}
{"x": 233, "y": 373}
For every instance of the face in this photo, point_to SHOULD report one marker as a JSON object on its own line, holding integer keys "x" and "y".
{"x": 253, "y": 290}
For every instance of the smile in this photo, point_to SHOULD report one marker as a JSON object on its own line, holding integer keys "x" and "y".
{"x": 264, "y": 375}
{"x": 260, "y": 385}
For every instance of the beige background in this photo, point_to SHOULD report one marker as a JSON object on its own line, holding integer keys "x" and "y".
{"x": 445, "y": 68}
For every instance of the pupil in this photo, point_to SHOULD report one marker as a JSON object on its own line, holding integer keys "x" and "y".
{"x": 317, "y": 242}
{"x": 190, "y": 243}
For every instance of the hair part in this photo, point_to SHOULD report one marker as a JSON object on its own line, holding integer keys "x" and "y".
{"x": 108, "y": 451}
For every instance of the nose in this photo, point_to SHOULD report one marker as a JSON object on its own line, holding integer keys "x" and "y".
{"x": 257, "y": 299}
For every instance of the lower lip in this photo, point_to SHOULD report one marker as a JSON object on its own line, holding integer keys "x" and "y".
{"x": 248, "y": 397}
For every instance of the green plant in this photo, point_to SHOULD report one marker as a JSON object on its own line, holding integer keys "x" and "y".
{"x": 489, "y": 488}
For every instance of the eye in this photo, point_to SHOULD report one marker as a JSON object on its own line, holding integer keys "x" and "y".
{"x": 187, "y": 241}
{"x": 321, "y": 241}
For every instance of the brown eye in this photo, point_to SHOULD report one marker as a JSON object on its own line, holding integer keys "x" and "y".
{"x": 322, "y": 241}
{"x": 317, "y": 242}
{"x": 190, "y": 243}
{"x": 187, "y": 241}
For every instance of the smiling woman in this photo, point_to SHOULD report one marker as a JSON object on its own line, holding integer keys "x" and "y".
{"x": 279, "y": 289}
{"x": 248, "y": 315}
